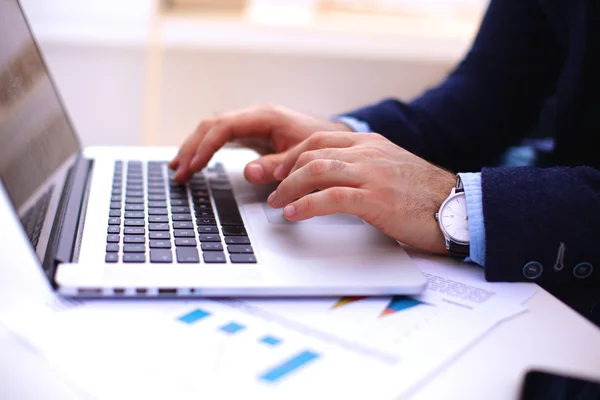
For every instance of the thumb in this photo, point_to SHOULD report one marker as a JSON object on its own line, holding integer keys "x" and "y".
{"x": 261, "y": 171}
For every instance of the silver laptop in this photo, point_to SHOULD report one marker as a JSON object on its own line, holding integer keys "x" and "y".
{"x": 111, "y": 221}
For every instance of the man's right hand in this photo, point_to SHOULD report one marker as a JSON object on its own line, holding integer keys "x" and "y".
{"x": 270, "y": 130}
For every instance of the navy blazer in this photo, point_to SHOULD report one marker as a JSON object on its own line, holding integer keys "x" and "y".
{"x": 533, "y": 69}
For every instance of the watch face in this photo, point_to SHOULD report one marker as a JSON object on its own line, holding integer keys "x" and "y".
{"x": 453, "y": 218}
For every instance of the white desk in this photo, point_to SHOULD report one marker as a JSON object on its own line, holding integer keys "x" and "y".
{"x": 550, "y": 335}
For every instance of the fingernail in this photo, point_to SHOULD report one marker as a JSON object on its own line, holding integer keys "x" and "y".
{"x": 271, "y": 197}
{"x": 257, "y": 171}
{"x": 278, "y": 173}
{"x": 289, "y": 210}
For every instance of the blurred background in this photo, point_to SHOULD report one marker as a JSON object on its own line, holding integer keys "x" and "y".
{"x": 145, "y": 72}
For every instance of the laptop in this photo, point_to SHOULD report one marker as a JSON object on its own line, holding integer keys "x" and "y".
{"x": 112, "y": 222}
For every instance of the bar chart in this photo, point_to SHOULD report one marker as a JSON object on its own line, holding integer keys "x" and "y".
{"x": 278, "y": 371}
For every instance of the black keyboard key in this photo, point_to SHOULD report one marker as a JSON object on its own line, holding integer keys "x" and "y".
{"x": 187, "y": 255}
{"x": 206, "y": 221}
{"x": 161, "y": 256}
{"x": 202, "y": 207}
{"x": 111, "y": 258}
{"x": 209, "y": 237}
{"x": 240, "y": 249}
{"x": 115, "y": 198}
{"x": 134, "y": 207}
{"x": 117, "y": 192}
{"x": 212, "y": 257}
{"x": 156, "y": 189}
{"x": 160, "y": 244}
{"x": 237, "y": 240}
{"x": 205, "y": 213}
{"x": 134, "y": 258}
{"x": 157, "y": 204}
{"x": 180, "y": 196}
{"x": 114, "y": 221}
{"x": 114, "y": 213}
{"x": 230, "y": 218}
{"x": 115, "y": 205}
{"x": 207, "y": 246}
{"x": 158, "y": 227}
{"x": 114, "y": 229}
{"x": 160, "y": 235}
{"x": 112, "y": 238}
{"x": 208, "y": 229}
{"x": 133, "y": 230}
{"x": 158, "y": 211}
{"x": 134, "y": 239}
{"x": 181, "y": 217}
{"x": 243, "y": 258}
{"x": 157, "y": 197}
{"x": 180, "y": 210}
{"x": 133, "y": 187}
{"x": 112, "y": 248}
{"x": 185, "y": 242}
{"x": 158, "y": 218}
{"x": 134, "y": 248}
{"x": 179, "y": 202}
{"x": 183, "y": 233}
{"x": 234, "y": 231}
{"x": 134, "y": 214}
{"x": 183, "y": 225}
{"x": 156, "y": 185}
{"x": 134, "y": 200}
{"x": 134, "y": 193}
{"x": 134, "y": 222}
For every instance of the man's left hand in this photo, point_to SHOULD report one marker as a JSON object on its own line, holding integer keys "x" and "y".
{"x": 368, "y": 176}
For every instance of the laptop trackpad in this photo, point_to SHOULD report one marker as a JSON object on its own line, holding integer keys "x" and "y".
{"x": 275, "y": 217}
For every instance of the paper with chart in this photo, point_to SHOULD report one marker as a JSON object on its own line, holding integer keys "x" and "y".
{"x": 349, "y": 347}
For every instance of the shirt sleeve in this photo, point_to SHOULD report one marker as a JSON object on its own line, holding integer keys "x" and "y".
{"x": 472, "y": 185}
{"x": 355, "y": 124}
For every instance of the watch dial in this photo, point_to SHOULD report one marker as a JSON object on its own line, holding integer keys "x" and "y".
{"x": 454, "y": 219}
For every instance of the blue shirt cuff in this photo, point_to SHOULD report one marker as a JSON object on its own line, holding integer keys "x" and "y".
{"x": 355, "y": 124}
{"x": 472, "y": 185}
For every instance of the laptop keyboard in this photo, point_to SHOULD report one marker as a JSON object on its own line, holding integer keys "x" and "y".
{"x": 33, "y": 220}
{"x": 154, "y": 219}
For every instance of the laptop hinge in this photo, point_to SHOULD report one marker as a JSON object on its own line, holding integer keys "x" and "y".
{"x": 67, "y": 222}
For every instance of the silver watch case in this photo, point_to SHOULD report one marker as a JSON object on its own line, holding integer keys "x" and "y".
{"x": 447, "y": 238}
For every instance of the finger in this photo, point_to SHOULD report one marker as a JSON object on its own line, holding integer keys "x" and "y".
{"x": 174, "y": 163}
{"x": 318, "y": 174}
{"x": 253, "y": 122}
{"x": 329, "y": 201}
{"x": 187, "y": 150}
{"x": 343, "y": 154}
{"x": 260, "y": 171}
{"x": 318, "y": 140}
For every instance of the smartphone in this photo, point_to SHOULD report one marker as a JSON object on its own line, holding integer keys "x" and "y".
{"x": 547, "y": 385}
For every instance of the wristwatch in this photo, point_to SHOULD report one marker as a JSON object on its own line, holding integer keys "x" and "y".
{"x": 454, "y": 223}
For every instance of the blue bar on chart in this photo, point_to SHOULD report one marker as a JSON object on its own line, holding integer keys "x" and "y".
{"x": 270, "y": 340}
{"x": 287, "y": 367}
{"x": 194, "y": 316}
{"x": 232, "y": 327}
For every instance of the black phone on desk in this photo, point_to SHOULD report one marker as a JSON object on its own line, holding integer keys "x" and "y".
{"x": 548, "y": 385}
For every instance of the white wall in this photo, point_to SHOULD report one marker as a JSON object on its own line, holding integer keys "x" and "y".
{"x": 98, "y": 60}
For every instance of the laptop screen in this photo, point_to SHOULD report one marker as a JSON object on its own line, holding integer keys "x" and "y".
{"x": 36, "y": 137}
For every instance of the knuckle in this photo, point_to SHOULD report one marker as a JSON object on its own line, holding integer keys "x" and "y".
{"x": 317, "y": 167}
{"x": 337, "y": 196}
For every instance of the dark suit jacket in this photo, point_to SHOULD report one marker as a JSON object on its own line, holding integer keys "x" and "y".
{"x": 534, "y": 68}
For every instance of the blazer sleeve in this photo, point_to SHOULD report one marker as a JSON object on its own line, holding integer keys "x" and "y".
{"x": 490, "y": 101}
{"x": 542, "y": 225}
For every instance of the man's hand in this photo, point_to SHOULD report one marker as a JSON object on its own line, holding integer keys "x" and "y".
{"x": 368, "y": 176}
{"x": 270, "y": 130}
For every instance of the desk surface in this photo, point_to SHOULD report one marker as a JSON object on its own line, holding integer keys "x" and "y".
{"x": 549, "y": 335}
